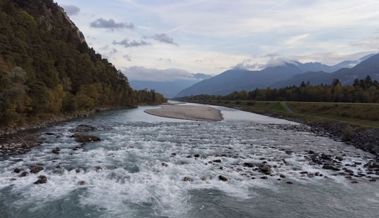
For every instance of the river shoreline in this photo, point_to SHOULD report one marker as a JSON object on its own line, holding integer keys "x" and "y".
{"x": 364, "y": 138}
{"x": 19, "y": 140}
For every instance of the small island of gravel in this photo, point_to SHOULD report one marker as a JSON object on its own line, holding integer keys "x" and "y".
{"x": 187, "y": 112}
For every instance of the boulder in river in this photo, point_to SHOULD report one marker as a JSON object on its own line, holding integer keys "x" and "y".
{"x": 36, "y": 169}
{"x": 41, "y": 180}
{"x": 23, "y": 174}
{"x": 222, "y": 178}
{"x": 187, "y": 179}
{"x": 56, "y": 150}
{"x": 265, "y": 169}
{"x": 82, "y": 138}
{"x": 250, "y": 165}
{"x": 330, "y": 167}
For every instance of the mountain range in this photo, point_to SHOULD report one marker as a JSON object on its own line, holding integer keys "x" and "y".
{"x": 168, "y": 82}
{"x": 285, "y": 74}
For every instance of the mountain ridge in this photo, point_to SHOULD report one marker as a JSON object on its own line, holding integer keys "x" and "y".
{"x": 274, "y": 75}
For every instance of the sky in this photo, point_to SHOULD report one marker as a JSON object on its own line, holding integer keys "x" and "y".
{"x": 210, "y": 36}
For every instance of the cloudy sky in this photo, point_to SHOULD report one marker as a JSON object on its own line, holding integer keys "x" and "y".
{"x": 209, "y": 36}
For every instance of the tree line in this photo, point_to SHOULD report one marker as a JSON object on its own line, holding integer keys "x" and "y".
{"x": 361, "y": 91}
{"x": 47, "y": 68}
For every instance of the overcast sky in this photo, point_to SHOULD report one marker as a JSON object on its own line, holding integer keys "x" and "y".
{"x": 209, "y": 36}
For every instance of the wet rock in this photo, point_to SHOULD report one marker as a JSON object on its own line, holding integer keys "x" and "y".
{"x": 289, "y": 152}
{"x": 216, "y": 161}
{"x": 264, "y": 177}
{"x": 326, "y": 157}
{"x": 187, "y": 179}
{"x": 36, "y": 169}
{"x": 319, "y": 174}
{"x": 173, "y": 154}
{"x": 23, "y": 174}
{"x": 265, "y": 169}
{"x": 84, "y": 128}
{"x": 56, "y": 150}
{"x": 41, "y": 180}
{"x": 330, "y": 167}
{"x": 49, "y": 133}
{"x": 282, "y": 176}
{"x": 82, "y": 183}
{"x": 81, "y": 138}
{"x": 348, "y": 171}
{"x": 222, "y": 178}
{"x": 250, "y": 165}
{"x": 17, "y": 170}
{"x": 289, "y": 183}
{"x": 164, "y": 164}
{"x": 197, "y": 155}
{"x": 98, "y": 168}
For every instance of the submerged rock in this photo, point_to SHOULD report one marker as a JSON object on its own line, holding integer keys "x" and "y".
{"x": 81, "y": 138}
{"x": 265, "y": 169}
{"x": 187, "y": 179}
{"x": 222, "y": 178}
{"x": 23, "y": 174}
{"x": 56, "y": 150}
{"x": 36, "y": 169}
{"x": 330, "y": 167}
{"x": 250, "y": 165}
{"x": 41, "y": 180}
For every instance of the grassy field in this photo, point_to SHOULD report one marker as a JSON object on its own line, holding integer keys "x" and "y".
{"x": 357, "y": 114}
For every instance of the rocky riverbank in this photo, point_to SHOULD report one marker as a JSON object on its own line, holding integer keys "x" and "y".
{"x": 19, "y": 140}
{"x": 364, "y": 138}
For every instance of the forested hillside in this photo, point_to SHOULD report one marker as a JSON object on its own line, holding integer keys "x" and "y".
{"x": 361, "y": 91}
{"x": 47, "y": 68}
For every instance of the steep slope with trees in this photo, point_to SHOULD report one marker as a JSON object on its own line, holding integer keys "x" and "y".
{"x": 47, "y": 68}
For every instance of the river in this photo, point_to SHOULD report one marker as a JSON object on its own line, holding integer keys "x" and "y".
{"x": 148, "y": 166}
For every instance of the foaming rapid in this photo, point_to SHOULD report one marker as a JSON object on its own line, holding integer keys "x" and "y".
{"x": 245, "y": 166}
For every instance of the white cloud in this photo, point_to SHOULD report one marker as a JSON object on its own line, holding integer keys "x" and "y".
{"x": 217, "y": 34}
{"x": 296, "y": 40}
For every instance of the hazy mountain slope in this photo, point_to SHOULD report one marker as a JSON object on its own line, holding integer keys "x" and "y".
{"x": 368, "y": 67}
{"x": 239, "y": 79}
{"x": 167, "y": 88}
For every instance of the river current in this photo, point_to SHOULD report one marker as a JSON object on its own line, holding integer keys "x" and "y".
{"x": 148, "y": 166}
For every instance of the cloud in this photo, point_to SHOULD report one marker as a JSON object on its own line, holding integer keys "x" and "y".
{"x": 131, "y": 43}
{"x": 368, "y": 43}
{"x": 71, "y": 10}
{"x": 128, "y": 57}
{"x": 295, "y": 40}
{"x": 164, "y": 38}
{"x": 111, "y": 24}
